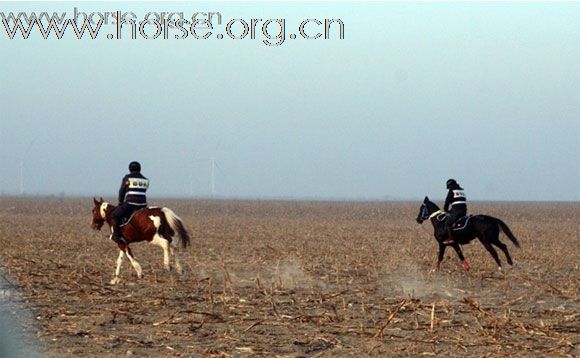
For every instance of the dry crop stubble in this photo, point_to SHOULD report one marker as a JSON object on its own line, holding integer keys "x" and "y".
{"x": 296, "y": 278}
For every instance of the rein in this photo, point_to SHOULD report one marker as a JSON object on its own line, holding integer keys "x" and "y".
{"x": 436, "y": 213}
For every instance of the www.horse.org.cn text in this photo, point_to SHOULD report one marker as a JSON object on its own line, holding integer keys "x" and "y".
{"x": 165, "y": 26}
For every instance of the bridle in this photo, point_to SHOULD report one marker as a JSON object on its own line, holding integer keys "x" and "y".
{"x": 425, "y": 212}
{"x": 103, "y": 210}
{"x": 102, "y": 213}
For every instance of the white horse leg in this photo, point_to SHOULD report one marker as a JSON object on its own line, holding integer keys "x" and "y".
{"x": 135, "y": 264}
{"x": 165, "y": 247}
{"x": 116, "y": 279}
{"x": 173, "y": 252}
{"x": 164, "y": 244}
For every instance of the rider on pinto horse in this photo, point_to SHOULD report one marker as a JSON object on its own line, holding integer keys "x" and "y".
{"x": 456, "y": 206}
{"x": 132, "y": 197}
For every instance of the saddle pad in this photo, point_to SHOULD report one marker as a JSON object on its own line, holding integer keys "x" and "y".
{"x": 461, "y": 223}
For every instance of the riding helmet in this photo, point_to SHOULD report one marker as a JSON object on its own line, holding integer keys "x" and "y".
{"x": 134, "y": 167}
{"x": 451, "y": 183}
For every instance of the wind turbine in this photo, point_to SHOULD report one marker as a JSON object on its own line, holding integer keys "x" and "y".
{"x": 191, "y": 178}
{"x": 212, "y": 171}
{"x": 213, "y": 166}
{"x": 22, "y": 166}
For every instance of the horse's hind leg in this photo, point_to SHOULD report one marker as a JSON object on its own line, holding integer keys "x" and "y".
{"x": 163, "y": 243}
{"x": 173, "y": 252}
{"x": 166, "y": 253}
{"x": 493, "y": 253}
{"x": 134, "y": 262}
{"x": 503, "y": 247}
{"x": 165, "y": 246}
{"x": 116, "y": 279}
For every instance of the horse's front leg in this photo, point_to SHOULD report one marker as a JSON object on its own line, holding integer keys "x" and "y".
{"x": 134, "y": 262}
{"x": 439, "y": 256}
{"x": 464, "y": 262}
{"x": 116, "y": 279}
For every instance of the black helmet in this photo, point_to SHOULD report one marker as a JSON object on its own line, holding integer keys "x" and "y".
{"x": 450, "y": 183}
{"x": 134, "y": 167}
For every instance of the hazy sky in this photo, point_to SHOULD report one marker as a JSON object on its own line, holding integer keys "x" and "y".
{"x": 486, "y": 93}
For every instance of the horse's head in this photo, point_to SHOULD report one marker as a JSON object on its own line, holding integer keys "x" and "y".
{"x": 427, "y": 208}
{"x": 99, "y": 212}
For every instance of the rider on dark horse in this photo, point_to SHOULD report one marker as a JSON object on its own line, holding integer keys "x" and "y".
{"x": 456, "y": 206}
{"x": 132, "y": 197}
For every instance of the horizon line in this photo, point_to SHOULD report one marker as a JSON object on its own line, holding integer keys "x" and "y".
{"x": 280, "y": 198}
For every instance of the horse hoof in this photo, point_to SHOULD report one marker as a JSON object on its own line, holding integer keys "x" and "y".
{"x": 465, "y": 265}
{"x": 115, "y": 281}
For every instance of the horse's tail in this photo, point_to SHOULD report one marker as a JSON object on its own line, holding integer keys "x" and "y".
{"x": 506, "y": 230}
{"x": 177, "y": 225}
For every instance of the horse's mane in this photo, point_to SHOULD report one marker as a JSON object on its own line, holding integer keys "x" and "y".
{"x": 433, "y": 206}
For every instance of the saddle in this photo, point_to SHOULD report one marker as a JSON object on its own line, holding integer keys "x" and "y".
{"x": 130, "y": 214}
{"x": 461, "y": 223}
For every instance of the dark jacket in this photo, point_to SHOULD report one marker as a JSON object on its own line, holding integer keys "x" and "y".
{"x": 133, "y": 188}
{"x": 455, "y": 199}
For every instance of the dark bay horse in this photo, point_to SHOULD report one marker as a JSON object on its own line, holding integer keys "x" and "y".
{"x": 158, "y": 226}
{"x": 483, "y": 227}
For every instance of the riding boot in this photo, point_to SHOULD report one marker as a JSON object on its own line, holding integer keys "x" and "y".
{"x": 449, "y": 241}
{"x": 116, "y": 235}
{"x": 448, "y": 232}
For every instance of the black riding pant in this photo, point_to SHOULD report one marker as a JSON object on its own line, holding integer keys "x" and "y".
{"x": 455, "y": 214}
{"x": 124, "y": 211}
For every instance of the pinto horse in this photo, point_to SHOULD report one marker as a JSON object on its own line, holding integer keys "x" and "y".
{"x": 483, "y": 227}
{"x": 156, "y": 225}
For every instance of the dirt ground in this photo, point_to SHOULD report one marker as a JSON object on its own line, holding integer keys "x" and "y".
{"x": 293, "y": 279}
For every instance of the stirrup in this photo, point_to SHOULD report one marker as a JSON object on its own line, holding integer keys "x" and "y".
{"x": 118, "y": 239}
